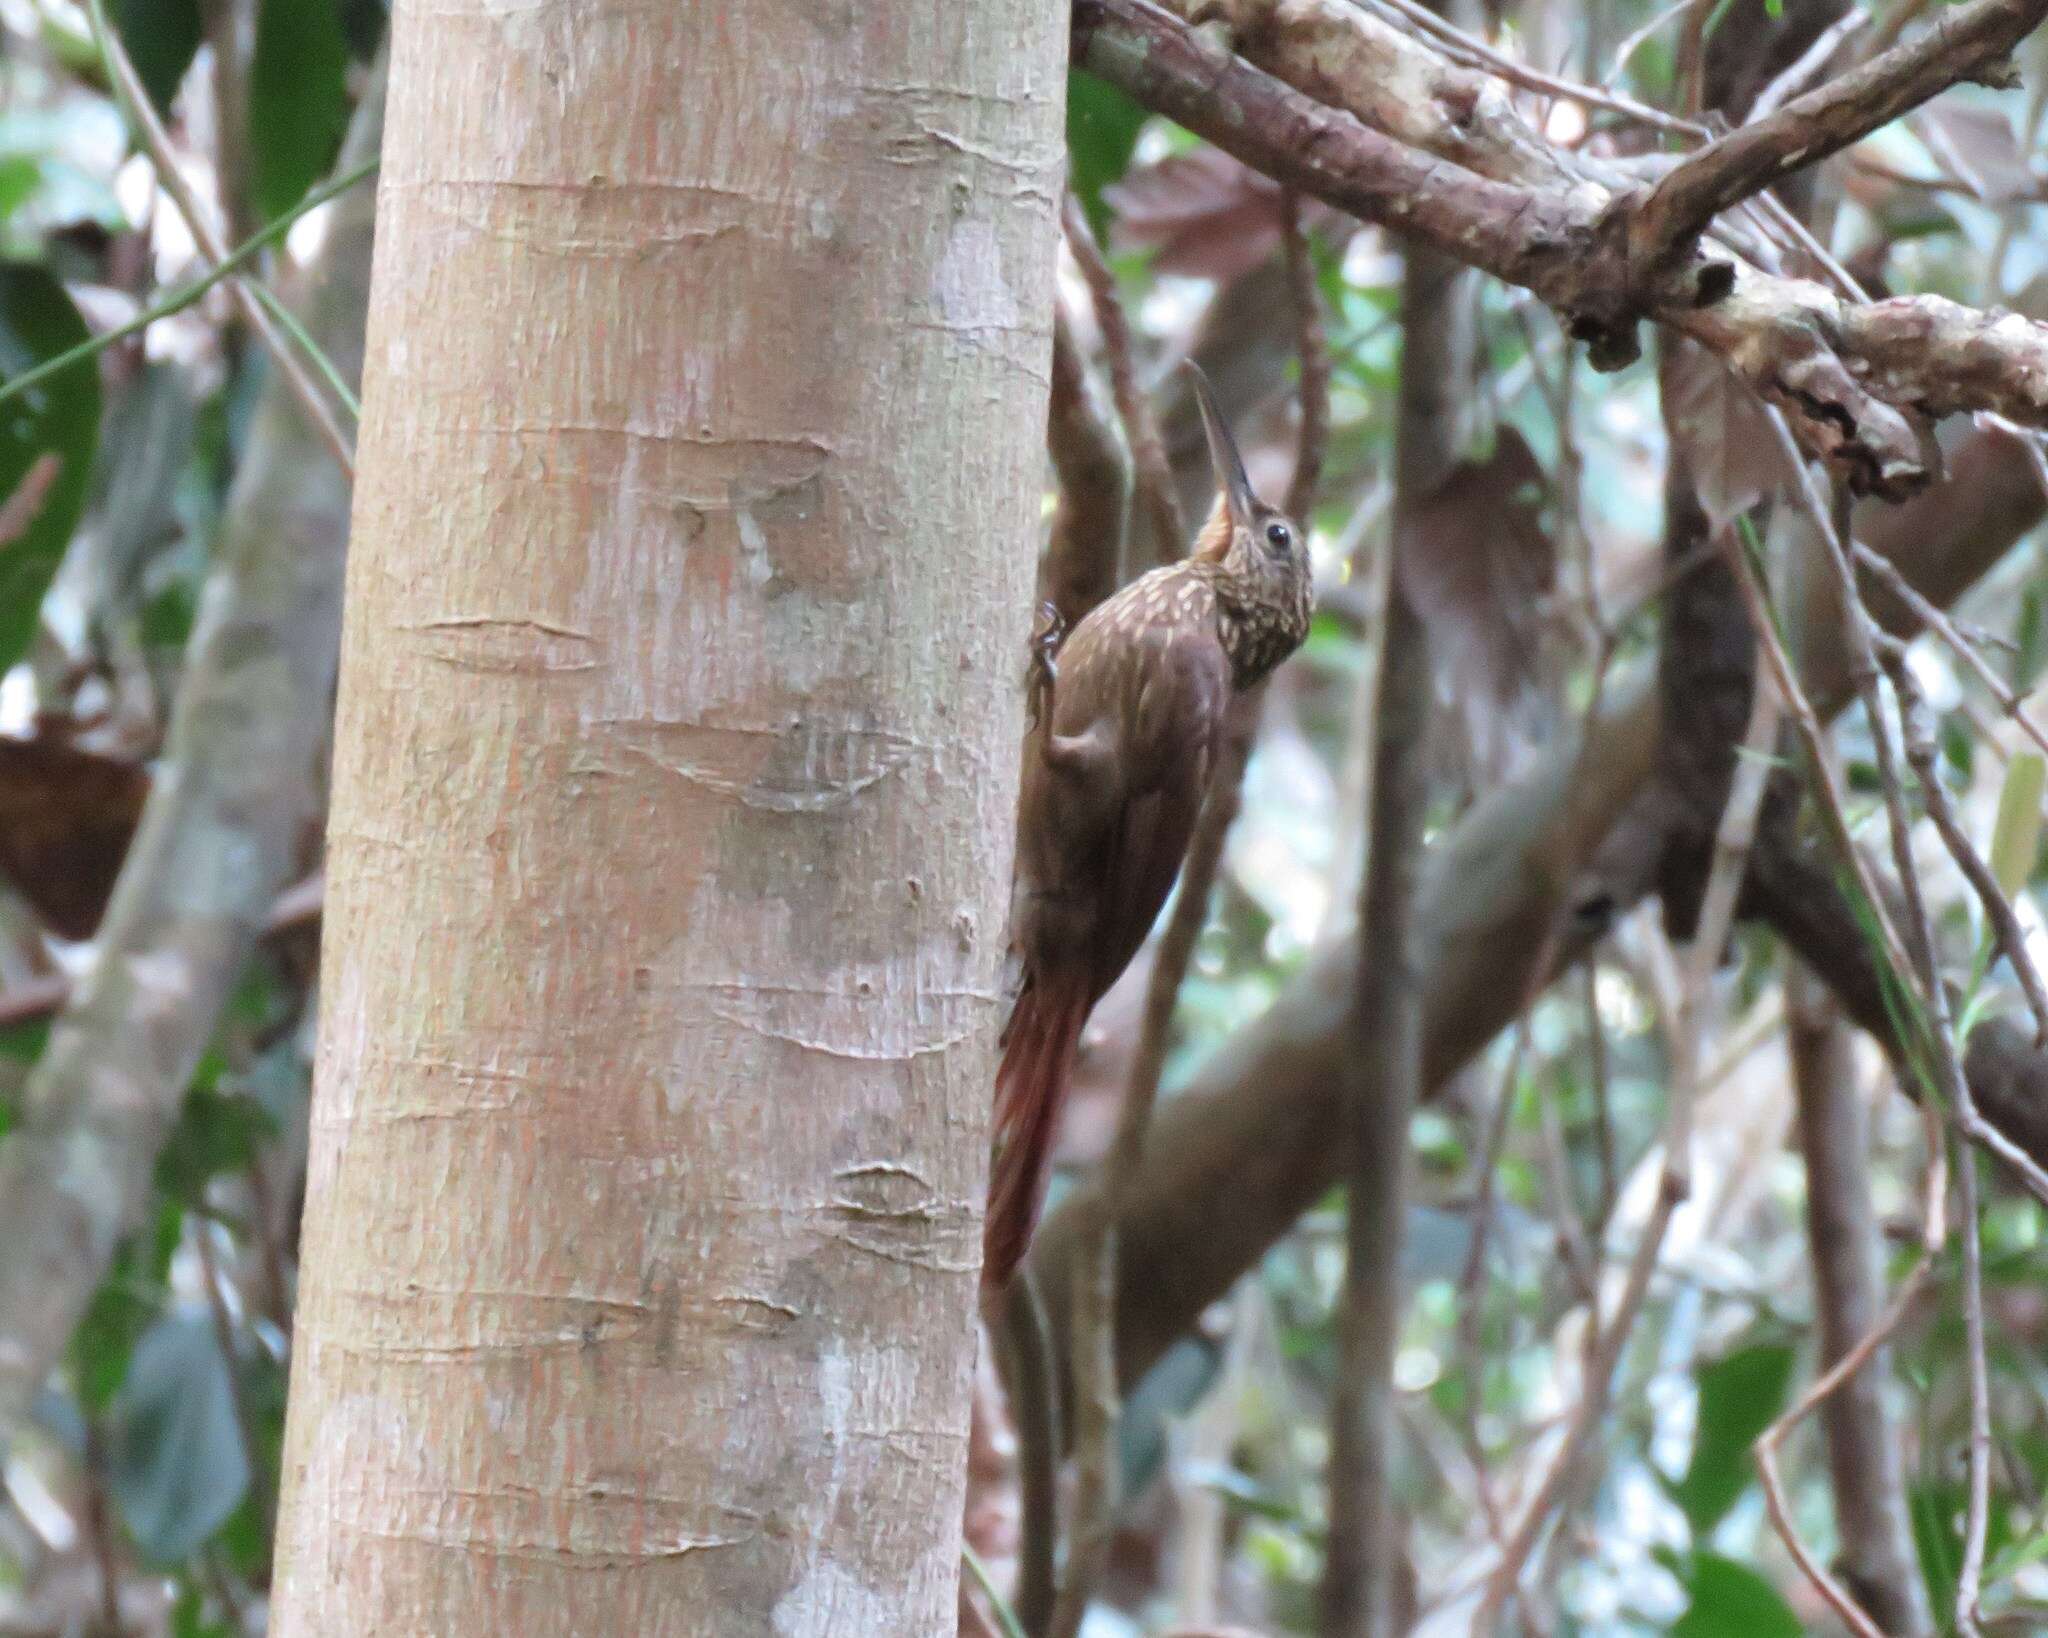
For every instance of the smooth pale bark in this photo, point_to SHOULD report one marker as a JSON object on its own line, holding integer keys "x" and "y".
{"x": 671, "y": 832}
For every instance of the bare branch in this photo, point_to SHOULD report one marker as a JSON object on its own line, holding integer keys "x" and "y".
{"x": 1084, "y": 555}
{"x": 1963, "y": 44}
{"x": 1857, "y": 382}
{"x": 1732, "y": 839}
{"x": 157, "y": 142}
{"x": 1382, "y": 1080}
{"x": 1156, "y": 496}
{"x": 1846, "y": 1244}
{"x": 1311, "y": 348}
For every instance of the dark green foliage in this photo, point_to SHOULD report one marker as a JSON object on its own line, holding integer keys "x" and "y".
{"x": 1740, "y": 1394}
{"x": 59, "y": 417}
{"x": 298, "y": 100}
{"x": 161, "y": 37}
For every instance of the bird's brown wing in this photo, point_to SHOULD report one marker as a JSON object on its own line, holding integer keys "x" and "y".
{"x": 1175, "y": 702}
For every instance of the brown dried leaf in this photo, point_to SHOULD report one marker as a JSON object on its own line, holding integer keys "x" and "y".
{"x": 1205, "y": 214}
{"x": 1728, "y": 441}
{"x": 1977, "y": 142}
{"x": 66, "y": 818}
{"x": 1479, "y": 568}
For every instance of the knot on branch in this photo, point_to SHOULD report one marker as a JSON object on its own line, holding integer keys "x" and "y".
{"x": 1632, "y": 272}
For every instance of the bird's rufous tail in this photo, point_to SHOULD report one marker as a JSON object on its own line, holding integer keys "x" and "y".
{"x": 1031, "y": 1085}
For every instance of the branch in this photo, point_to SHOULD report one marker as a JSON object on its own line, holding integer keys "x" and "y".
{"x": 1464, "y": 174}
{"x": 1962, "y": 44}
{"x": 245, "y": 734}
{"x": 1847, "y": 1249}
{"x": 1156, "y": 497}
{"x": 1084, "y": 555}
{"x": 1382, "y": 1079}
{"x": 267, "y": 321}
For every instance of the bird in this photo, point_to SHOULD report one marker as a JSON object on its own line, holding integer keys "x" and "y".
{"x": 1127, "y": 719}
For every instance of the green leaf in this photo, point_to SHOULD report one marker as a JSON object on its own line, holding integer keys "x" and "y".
{"x": 177, "y": 1467}
{"x": 216, "y": 1132}
{"x": 1730, "y": 1600}
{"x": 161, "y": 37}
{"x": 60, "y": 419}
{"x": 298, "y": 100}
{"x": 1102, "y": 129}
{"x": 2016, "y": 837}
{"x": 122, "y": 1309}
{"x": 1740, "y": 1393}
{"x": 2029, "y": 640}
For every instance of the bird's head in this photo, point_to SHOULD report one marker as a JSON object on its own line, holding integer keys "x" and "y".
{"x": 1262, "y": 552}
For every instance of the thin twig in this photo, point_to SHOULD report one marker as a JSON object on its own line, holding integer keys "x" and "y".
{"x": 142, "y": 112}
{"x": 1732, "y": 840}
{"x": 1806, "y": 724}
{"x": 1006, "y": 1618}
{"x": 1822, "y": 122}
{"x": 1936, "y": 1034}
{"x": 1632, "y": 43}
{"x": 1852, "y": 1319}
{"x": 1312, "y": 349}
{"x": 19, "y": 509}
{"x": 1921, "y": 753}
{"x": 1084, "y": 552}
{"x": 1930, "y": 615}
{"x": 1096, "y": 1400}
{"x": 1808, "y": 64}
{"x": 186, "y": 294}
{"x": 1516, "y": 72}
{"x": 1157, "y": 498}
{"x": 1977, "y": 1513}
{"x": 1766, "y": 1450}
{"x": 1603, "y": 1113}
{"x": 1033, "y": 1386}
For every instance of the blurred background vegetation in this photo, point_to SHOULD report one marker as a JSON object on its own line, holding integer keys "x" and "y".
{"x": 139, "y": 1500}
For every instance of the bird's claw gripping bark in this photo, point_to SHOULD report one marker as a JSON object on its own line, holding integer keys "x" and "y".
{"x": 1044, "y": 669}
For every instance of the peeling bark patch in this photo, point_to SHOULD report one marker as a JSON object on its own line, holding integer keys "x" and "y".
{"x": 506, "y": 644}
{"x": 802, "y": 767}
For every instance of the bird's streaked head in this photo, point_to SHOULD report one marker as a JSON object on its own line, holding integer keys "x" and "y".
{"x": 1242, "y": 532}
{"x": 1262, "y": 552}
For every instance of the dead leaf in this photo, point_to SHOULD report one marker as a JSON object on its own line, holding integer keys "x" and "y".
{"x": 1978, "y": 145}
{"x": 66, "y": 818}
{"x": 1480, "y": 567}
{"x": 1728, "y": 441}
{"x": 1204, "y": 214}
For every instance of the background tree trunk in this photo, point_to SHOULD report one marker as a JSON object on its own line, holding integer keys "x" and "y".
{"x": 671, "y": 830}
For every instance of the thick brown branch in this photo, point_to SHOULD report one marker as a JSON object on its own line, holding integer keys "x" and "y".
{"x": 1537, "y": 239}
{"x": 1084, "y": 556}
{"x": 1962, "y": 44}
{"x": 1463, "y": 173}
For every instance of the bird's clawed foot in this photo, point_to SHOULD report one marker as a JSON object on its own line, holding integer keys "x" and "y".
{"x": 1044, "y": 669}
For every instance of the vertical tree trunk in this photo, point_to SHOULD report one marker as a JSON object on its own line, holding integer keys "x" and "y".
{"x": 671, "y": 833}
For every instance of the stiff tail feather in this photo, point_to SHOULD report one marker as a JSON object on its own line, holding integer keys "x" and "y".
{"x": 1031, "y": 1085}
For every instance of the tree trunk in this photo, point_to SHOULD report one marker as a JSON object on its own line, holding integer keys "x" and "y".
{"x": 671, "y": 833}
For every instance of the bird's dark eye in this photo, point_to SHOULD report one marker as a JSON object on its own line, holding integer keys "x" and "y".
{"x": 1279, "y": 535}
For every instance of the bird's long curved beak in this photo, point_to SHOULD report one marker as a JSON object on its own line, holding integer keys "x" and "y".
{"x": 1223, "y": 455}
